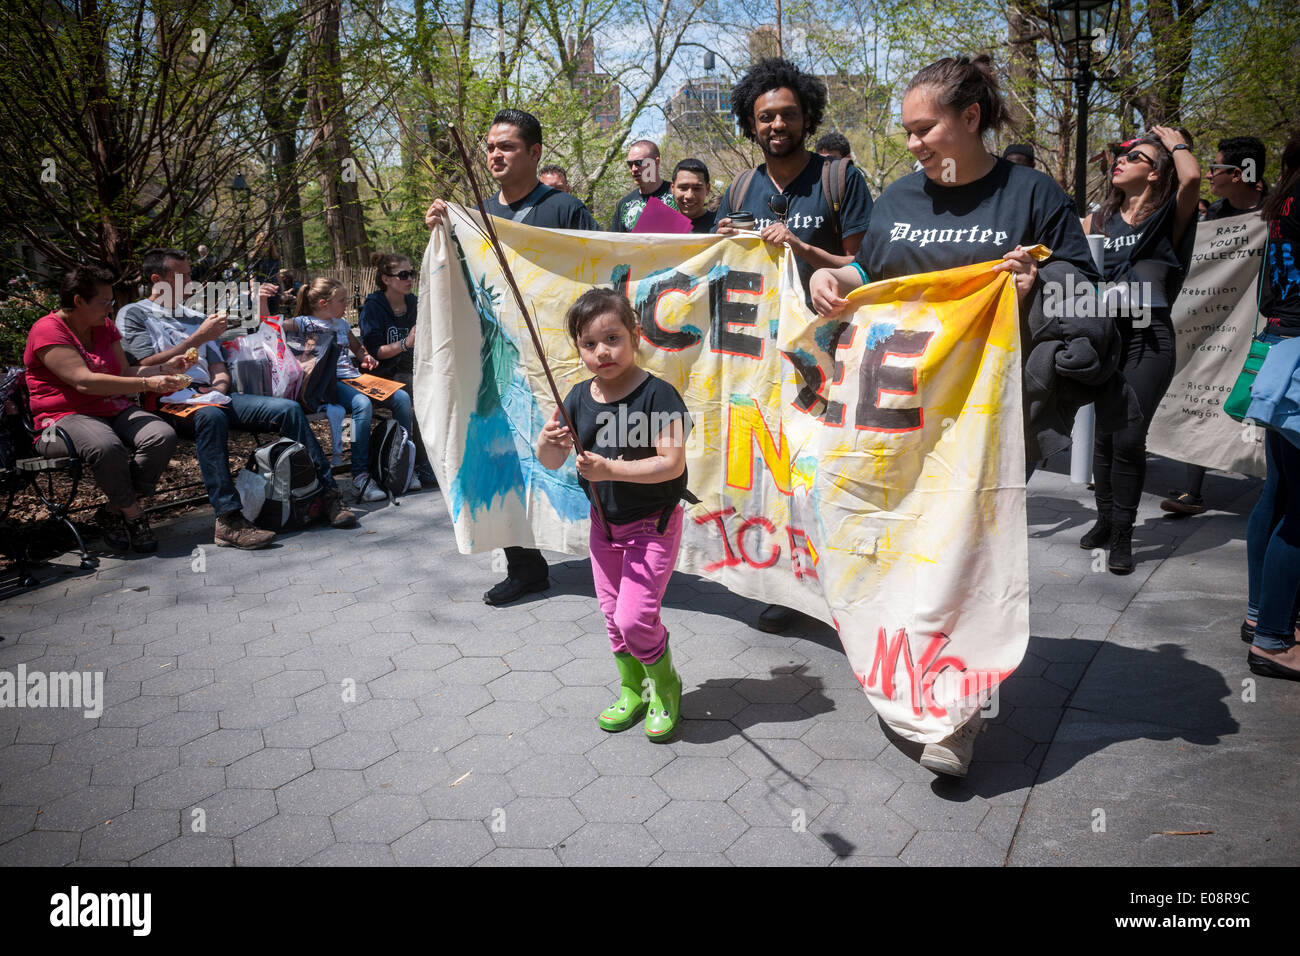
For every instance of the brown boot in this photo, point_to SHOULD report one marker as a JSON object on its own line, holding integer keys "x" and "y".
{"x": 337, "y": 511}
{"x": 234, "y": 531}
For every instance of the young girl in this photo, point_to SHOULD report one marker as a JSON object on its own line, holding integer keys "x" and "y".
{"x": 639, "y": 476}
{"x": 1146, "y": 218}
{"x": 321, "y": 305}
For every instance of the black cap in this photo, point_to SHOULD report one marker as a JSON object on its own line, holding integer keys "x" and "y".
{"x": 1019, "y": 149}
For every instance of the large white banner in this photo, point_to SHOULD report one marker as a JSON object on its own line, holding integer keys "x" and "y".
{"x": 1214, "y": 320}
{"x": 867, "y": 469}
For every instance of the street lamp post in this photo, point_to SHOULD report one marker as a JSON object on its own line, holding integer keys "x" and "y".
{"x": 1077, "y": 27}
{"x": 242, "y": 197}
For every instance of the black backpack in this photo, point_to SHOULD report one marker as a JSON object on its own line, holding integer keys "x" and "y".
{"x": 15, "y": 443}
{"x": 294, "y": 496}
{"x": 392, "y": 458}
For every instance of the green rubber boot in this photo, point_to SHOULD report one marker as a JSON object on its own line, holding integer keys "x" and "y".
{"x": 629, "y": 707}
{"x": 664, "y": 689}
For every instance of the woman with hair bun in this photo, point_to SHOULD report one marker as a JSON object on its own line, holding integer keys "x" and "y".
{"x": 387, "y": 324}
{"x": 962, "y": 206}
{"x": 1147, "y": 220}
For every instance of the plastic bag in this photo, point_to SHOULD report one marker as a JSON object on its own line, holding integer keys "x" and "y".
{"x": 250, "y": 371}
{"x": 252, "y": 493}
{"x": 286, "y": 372}
{"x": 261, "y": 363}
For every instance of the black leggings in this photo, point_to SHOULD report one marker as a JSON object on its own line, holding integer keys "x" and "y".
{"x": 1119, "y": 460}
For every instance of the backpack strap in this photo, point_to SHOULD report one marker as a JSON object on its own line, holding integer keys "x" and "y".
{"x": 834, "y": 176}
{"x": 282, "y": 481}
{"x": 737, "y": 190}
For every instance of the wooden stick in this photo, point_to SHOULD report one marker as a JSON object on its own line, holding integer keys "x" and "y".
{"x": 497, "y": 248}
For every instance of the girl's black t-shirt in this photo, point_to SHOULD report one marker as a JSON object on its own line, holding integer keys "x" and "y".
{"x": 1279, "y": 300}
{"x": 919, "y": 225}
{"x": 627, "y": 429}
{"x": 1145, "y": 253}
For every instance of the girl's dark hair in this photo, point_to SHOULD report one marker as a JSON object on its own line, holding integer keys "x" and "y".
{"x": 1165, "y": 188}
{"x": 960, "y": 81}
{"x": 1287, "y": 179}
{"x": 383, "y": 263}
{"x": 82, "y": 281}
{"x": 775, "y": 74}
{"x": 594, "y": 303}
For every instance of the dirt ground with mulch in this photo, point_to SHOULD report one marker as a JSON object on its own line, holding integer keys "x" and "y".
{"x": 181, "y": 484}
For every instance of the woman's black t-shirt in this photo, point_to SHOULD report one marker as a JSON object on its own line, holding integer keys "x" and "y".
{"x": 627, "y": 429}
{"x": 919, "y": 225}
{"x": 1279, "y": 300}
{"x": 1145, "y": 253}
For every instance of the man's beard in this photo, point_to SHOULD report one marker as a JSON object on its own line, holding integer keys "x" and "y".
{"x": 792, "y": 146}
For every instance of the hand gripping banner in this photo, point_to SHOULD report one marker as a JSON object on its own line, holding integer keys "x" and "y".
{"x": 866, "y": 469}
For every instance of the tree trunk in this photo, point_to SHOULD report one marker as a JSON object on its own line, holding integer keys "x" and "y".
{"x": 337, "y": 167}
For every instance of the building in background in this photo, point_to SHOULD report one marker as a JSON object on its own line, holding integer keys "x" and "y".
{"x": 599, "y": 92}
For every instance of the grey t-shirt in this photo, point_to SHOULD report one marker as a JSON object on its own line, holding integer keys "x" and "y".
{"x": 184, "y": 322}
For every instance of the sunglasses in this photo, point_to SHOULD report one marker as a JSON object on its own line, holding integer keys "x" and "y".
{"x": 1137, "y": 156}
{"x": 403, "y": 275}
{"x": 636, "y": 163}
{"x": 1216, "y": 168}
{"x": 780, "y": 205}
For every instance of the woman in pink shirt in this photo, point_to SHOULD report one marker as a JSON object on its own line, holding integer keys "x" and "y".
{"x": 79, "y": 378}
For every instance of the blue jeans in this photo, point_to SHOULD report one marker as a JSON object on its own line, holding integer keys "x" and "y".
{"x": 210, "y": 428}
{"x": 1273, "y": 547}
{"x": 362, "y": 412}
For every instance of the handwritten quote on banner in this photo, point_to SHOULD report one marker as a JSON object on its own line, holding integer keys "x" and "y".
{"x": 867, "y": 470}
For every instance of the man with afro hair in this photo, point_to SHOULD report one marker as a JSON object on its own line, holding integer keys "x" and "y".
{"x": 817, "y": 206}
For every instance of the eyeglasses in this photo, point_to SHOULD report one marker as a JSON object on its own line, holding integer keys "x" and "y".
{"x": 1137, "y": 156}
{"x": 779, "y": 204}
{"x": 403, "y": 275}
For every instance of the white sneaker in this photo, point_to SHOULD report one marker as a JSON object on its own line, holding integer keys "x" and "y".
{"x": 414, "y": 484}
{"x": 952, "y": 755}
{"x": 367, "y": 489}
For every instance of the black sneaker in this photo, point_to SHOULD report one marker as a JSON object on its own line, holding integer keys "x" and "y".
{"x": 142, "y": 539}
{"x": 112, "y": 528}
{"x": 1183, "y": 503}
{"x": 1247, "y": 632}
{"x": 512, "y": 589}
{"x": 775, "y": 619}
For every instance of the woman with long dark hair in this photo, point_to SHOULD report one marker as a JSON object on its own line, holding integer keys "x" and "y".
{"x": 1273, "y": 533}
{"x": 1148, "y": 221}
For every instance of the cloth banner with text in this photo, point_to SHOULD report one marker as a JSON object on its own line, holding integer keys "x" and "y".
{"x": 867, "y": 470}
{"x": 1214, "y": 320}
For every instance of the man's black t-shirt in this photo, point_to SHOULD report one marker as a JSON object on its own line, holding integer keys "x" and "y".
{"x": 551, "y": 209}
{"x": 808, "y": 216}
{"x": 1280, "y": 298}
{"x": 630, "y": 207}
{"x": 704, "y": 222}
{"x": 1222, "y": 209}
{"x": 919, "y": 225}
{"x": 627, "y": 429}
